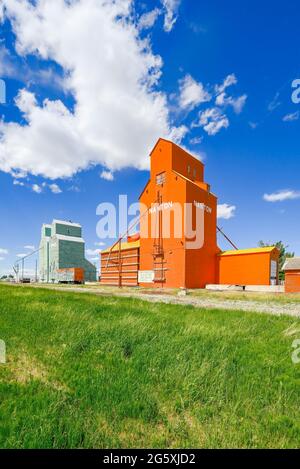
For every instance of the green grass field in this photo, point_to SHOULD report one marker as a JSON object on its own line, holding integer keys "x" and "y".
{"x": 99, "y": 372}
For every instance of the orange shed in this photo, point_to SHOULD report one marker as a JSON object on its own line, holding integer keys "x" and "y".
{"x": 292, "y": 275}
{"x": 257, "y": 266}
{"x": 71, "y": 275}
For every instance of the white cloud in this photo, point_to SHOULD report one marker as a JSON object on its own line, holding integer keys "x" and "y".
{"x": 192, "y": 93}
{"x": 99, "y": 243}
{"x": 2, "y": 259}
{"x": 7, "y": 68}
{"x": 147, "y": 20}
{"x": 10, "y": 67}
{"x": 282, "y": 195}
{"x": 18, "y": 183}
{"x": 253, "y": 125}
{"x": 55, "y": 189}
{"x": 177, "y": 133}
{"x": 223, "y": 99}
{"x": 196, "y": 140}
{"x": 228, "y": 81}
{"x": 22, "y": 255}
{"x": 171, "y": 10}
{"x": 107, "y": 175}
{"x": 94, "y": 259}
{"x": 39, "y": 188}
{"x": 30, "y": 247}
{"x": 226, "y": 211}
{"x": 74, "y": 188}
{"x": 291, "y": 117}
{"x": 92, "y": 252}
{"x": 36, "y": 188}
{"x": 3, "y": 251}
{"x": 197, "y": 28}
{"x": 275, "y": 103}
{"x": 237, "y": 103}
{"x": 212, "y": 120}
{"x": 112, "y": 74}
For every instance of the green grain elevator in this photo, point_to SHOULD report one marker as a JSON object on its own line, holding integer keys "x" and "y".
{"x": 62, "y": 247}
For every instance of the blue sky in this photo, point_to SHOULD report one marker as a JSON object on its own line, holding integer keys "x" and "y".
{"x": 90, "y": 87}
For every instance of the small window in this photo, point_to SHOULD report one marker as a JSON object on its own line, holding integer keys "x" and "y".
{"x": 195, "y": 173}
{"x": 161, "y": 179}
{"x": 189, "y": 169}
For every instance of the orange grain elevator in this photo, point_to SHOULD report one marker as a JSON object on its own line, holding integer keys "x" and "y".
{"x": 178, "y": 224}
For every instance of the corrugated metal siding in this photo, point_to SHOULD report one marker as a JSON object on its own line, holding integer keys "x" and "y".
{"x": 68, "y": 230}
{"x": 43, "y": 262}
{"x": 125, "y": 272}
{"x": 292, "y": 282}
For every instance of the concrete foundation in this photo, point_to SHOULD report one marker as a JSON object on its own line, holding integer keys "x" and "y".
{"x": 247, "y": 288}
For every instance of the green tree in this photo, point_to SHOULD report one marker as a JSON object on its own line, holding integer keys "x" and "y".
{"x": 284, "y": 254}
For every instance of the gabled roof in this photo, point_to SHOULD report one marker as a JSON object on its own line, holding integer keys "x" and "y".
{"x": 175, "y": 145}
{"x": 248, "y": 251}
{"x": 292, "y": 264}
{"x": 164, "y": 139}
{"x": 67, "y": 223}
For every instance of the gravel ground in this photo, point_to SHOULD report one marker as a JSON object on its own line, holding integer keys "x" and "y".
{"x": 269, "y": 307}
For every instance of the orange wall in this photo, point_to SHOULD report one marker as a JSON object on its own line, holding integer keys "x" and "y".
{"x": 201, "y": 263}
{"x": 181, "y": 161}
{"x": 174, "y": 260}
{"x": 246, "y": 269}
{"x": 161, "y": 158}
{"x": 292, "y": 281}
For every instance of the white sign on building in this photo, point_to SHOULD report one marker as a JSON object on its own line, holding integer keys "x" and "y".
{"x": 146, "y": 276}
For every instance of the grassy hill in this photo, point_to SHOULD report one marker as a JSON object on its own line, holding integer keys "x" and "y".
{"x": 89, "y": 371}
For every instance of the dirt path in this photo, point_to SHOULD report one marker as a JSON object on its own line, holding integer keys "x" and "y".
{"x": 269, "y": 307}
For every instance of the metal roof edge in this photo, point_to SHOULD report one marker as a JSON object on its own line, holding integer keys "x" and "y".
{"x": 258, "y": 250}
